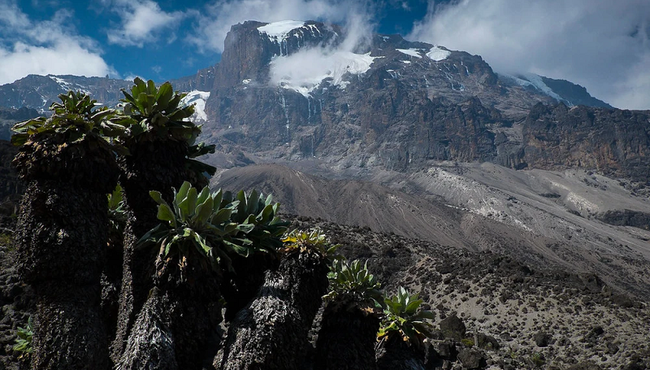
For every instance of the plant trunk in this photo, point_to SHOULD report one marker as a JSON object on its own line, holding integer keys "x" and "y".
{"x": 181, "y": 317}
{"x": 346, "y": 340}
{"x": 151, "y": 344}
{"x": 61, "y": 240}
{"x": 154, "y": 164}
{"x": 272, "y": 331}
{"x": 69, "y": 330}
{"x": 397, "y": 354}
{"x": 239, "y": 289}
{"x": 111, "y": 281}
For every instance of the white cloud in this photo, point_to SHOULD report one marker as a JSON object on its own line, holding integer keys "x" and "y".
{"x": 142, "y": 22}
{"x": 602, "y": 45}
{"x": 47, "y": 47}
{"x": 304, "y": 70}
{"x": 214, "y": 24}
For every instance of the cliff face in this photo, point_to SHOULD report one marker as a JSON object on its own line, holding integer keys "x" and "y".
{"x": 413, "y": 103}
{"x": 612, "y": 141}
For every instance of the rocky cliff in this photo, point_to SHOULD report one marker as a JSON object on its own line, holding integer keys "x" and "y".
{"x": 612, "y": 141}
{"x": 412, "y": 103}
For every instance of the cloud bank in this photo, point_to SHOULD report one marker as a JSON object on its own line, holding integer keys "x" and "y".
{"x": 305, "y": 70}
{"x": 46, "y": 47}
{"x": 141, "y": 22}
{"x": 602, "y": 45}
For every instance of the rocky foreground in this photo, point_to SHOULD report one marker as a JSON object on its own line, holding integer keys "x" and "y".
{"x": 492, "y": 312}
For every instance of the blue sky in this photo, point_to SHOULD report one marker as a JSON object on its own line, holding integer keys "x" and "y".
{"x": 601, "y": 44}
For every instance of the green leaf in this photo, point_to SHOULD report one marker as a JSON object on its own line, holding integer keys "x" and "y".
{"x": 151, "y": 88}
{"x": 157, "y": 197}
{"x": 221, "y": 216}
{"x": 165, "y": 214}
{"x": 253, "y": 198}
{"x": 165, "y": 93}
{"x": 203, "y": 196}
{"x": 246, "y": 227}
{"x": 182, "y": 192}
{"x": 203, "y": 212}
{"x": 413, "y": 306}
{"x": 140, "y": 86}
{"x": 152, "y": 236}
{"x": 242, "y": 251}
{"x": 191, "y": 201}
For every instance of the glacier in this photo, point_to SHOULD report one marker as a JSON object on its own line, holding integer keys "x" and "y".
{"x": 437, "y": 54}
{"x": 198, "y": 98}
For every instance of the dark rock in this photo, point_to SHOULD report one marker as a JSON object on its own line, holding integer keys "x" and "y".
{"x": 542, "y": 339}
{"x": 612, "y": 348}
{"x": 396, "y": 354}
{"x": 347, "y": 339}
{"x": 610, "y": 140}
{"x": 638, "y": 362}
{"x": 471, "y": 358}
{"x": 486, "y": 342}
{"x": 626, "y": 218}
{"x": 453, "y": 327}
{"x": 447, "y": 350}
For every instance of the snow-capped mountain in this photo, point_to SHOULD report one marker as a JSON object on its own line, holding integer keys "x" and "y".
{"x": 39, "y": 92}
{"x": 301, "y": 90}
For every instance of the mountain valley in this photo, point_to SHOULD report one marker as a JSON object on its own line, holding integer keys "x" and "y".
{"x": 520, "y": 204}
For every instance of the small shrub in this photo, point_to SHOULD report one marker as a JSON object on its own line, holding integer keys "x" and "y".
{"x": 24, "y": 339}
{"x": 74, "y": 118}
{"x": 312, "y": 240}
{"x": 402, "y": 316}
{"x": 116, "y": 214}
{"x": 213, "y": 225}
{"x": 537, "y": 359}
{"x": 467, "y": 342}
{"x": 353, "y": 281}
{"x": 7, "y": 240}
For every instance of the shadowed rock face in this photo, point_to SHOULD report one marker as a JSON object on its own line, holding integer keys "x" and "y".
{"x": 248, "y": 52}
{"x": 408, "y": 109}
{"x": 615, "y": 142}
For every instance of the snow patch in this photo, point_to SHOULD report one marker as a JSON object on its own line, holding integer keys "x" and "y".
{"x": 198, "y": 98}
{"x": 411, "y": 52}
{"x": 536, "y": 81}
{"x": 278, "y": 31}
{"x": 437, "y": 54}
{"x": 306, "y": 70}
{"x": 67, "y": 86}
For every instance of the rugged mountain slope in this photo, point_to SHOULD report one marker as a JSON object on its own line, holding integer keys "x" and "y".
{"x": 543, "y": 218}
{"x": 397, "y": 105}
{"x": 38, "y": 92}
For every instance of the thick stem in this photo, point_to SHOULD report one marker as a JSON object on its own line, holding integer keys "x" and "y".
{"x": 271, "y": 332}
